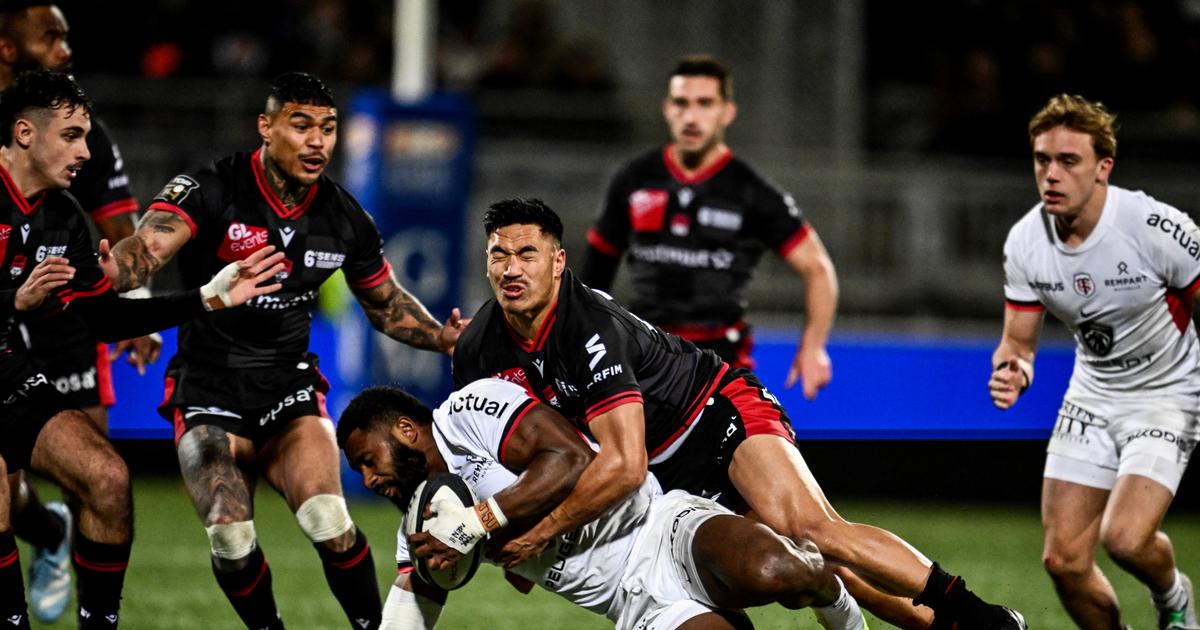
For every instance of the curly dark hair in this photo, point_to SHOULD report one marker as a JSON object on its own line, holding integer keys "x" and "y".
{"x": 39, "y": 90}
{"x": 523, "y": 212}
{"x": 380, "y": 406}
{"x": 298, "y": 87}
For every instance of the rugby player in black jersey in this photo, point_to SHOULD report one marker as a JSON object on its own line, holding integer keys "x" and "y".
{"x": 48, "y": 266}
{"x": 695, "y": 220}
{"x": 244, "y": 394}
{"x": 656, "y": 402}
{"x": 33, "y": 35}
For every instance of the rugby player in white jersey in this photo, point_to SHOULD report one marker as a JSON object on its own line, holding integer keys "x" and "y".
{"x": 652, "y": 561}
{"x": 1121, "y": 270}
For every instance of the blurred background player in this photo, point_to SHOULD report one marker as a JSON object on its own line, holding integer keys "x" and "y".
{"x": 244, "y": 393}
{"x": 653, "y": 561}
{"x": 51, "y": 266}
{"x": 695, "y": 221}
{"x": 33, "y": 35}
{"x": 1120, "y": 270}
{"x": 656, "y": 402}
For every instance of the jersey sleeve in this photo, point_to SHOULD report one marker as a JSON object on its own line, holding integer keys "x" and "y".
{"x": 774, "y": 219}
{"x": 609, "y": 235}
{"x": 102, "y": 187}
{"x": 196, "y": 198}
{"x": 365, "y": 265}
{"x": 608, "y": 355}
{"x": 1172, "y": 242}
{"x": 403, "y": 559}
{"x": 1017, "y": 292}
{"x": 481, "y": 417}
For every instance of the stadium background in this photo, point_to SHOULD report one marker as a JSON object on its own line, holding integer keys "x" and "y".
{"x": 901, "y": 137}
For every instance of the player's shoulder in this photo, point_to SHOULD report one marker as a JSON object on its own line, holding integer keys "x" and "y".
{"x": 484, "y": 400}
{"x": 1031, "y": 230}
{"x": 471, "y": 350}
{"x": 1136, "y": 207}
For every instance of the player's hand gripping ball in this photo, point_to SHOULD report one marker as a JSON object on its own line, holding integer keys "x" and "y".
{"x": 444, "y": 486}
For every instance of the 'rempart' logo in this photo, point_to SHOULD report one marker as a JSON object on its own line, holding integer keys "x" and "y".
{"x": 1084, "y": 285}
{"x": 241, "y": 240}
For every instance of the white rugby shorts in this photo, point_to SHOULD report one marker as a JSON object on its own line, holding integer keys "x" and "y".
{"x": 1096, "y": 440}
{"x": 661, "y": 588}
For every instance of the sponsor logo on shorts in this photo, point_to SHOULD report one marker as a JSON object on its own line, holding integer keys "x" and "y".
{"x": 241, "y": 240}
{"x": 1073, "y": 422}
{"x": 472, "y": 402}
{"x": 304, "y": 395}
{"x": 565, "y": 548}
{"x": 1185, "y": 444}
{"x": 49, "y": 250}
{"x": 192, "y": 412}
{"x": 77, "y": 382}
{"x": 1097, "y": 337}
{"x": 37, "y": 380}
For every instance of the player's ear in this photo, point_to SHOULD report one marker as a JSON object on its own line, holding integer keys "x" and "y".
{"x": 1103, "y": 170}
{"x": 730, "y": 113}
{"x": 264, "y": 128}
{"x": 560, "y": 261}
{"x": 8, "y": 51}
{"x": 405, "y": 430}
{"x": 24, "y": 132}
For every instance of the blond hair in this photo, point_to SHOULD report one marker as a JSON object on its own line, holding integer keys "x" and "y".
{"x": 1078, "y": 114}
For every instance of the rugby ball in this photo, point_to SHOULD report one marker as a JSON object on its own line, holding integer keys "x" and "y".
{"x": 415, "y": 521}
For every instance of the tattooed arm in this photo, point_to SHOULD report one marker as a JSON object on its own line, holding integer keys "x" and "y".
{"x": 399, "y": 315}
{"x": 158, "y": 237}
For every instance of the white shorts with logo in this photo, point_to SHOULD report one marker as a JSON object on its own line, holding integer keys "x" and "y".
{"x": 661, "y": 587}
{"x": 1097, "y": 439}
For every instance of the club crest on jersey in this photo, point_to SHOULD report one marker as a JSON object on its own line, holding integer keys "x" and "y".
{"x": 681, "y": 224}
{"x": 1097, "y": 337}
{"x": 647, "y": 208}
{"x": 1084, "y": 285}
{"x": 18, "y": 266}
{"x": 177, "y": 189}
{"x": 241, "y": 240}
{"x": 287, "y": 270}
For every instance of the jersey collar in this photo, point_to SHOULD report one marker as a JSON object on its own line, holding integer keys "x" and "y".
{"x": 539, "y": 339}
{"x": 14, "y": 193}
{"x": 268, "y": 193}
{"x": 677, "y": 171}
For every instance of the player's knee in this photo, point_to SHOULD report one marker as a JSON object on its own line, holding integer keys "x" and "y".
{"x": 1066, "y": 561}
{"x": 795, "y": 569}
{"x": 324, "y": 517}
{"x": 231, "y": 541}
{"x": 107, "y": 488}
{"x": 1124, "y": 543}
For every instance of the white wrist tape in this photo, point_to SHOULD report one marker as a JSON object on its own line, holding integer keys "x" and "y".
{"x": 456, "y": 525}
{"x": 405, "y": 610}
{"x": 216, "y": 293}
{"x": 139, "y": 293}
{"x": 497, "y": 512}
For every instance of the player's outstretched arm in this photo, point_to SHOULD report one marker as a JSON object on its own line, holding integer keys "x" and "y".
{"x": 412, "y": 604}
{"x": 811, "y": 364}
{"x": 1012, "y": 362}
{"x": 618, "y": 469}
{"x": 551, "y": 458}
{"x": 401, "y": 316}
{"x": 131, "y": 262}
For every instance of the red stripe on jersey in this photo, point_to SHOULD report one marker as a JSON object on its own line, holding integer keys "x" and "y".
{"x": 512, "y": 428}
{"x": 103, "y": 567}
{"x": 104, "y": 379}
{"x": 408, "y": 568}
{"x": 268, "y": 193}
{"x": 794, "y": 240}
{"x": 373, "y": 280}
{"x": 67, "y": 296}
{"x": 539, "y": 338}
{"x": 120, "y": 206}
{"x": 15, "y": 193}
{"x": 612, "y": 402}
{"x": 601, "y": 244}
{"x": 693, "y": 411}
{"x": 1179, "y": 304}
{"x": 1023, "y": 306}
{"x": 759, "y": 415}
{"x": 174, "y": 209}
{"x": 698, "y": 177}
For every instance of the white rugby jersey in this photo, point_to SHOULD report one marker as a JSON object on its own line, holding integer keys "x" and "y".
{"x": 1125, "y": 293}
{"x": 586, "y": 565}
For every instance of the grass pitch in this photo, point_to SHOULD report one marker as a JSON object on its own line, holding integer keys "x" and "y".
{"x": 170, "y": 585}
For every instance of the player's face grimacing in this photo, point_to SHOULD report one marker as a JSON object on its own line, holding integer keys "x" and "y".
{"x": 697, "y": 114}
{"x": 58, "y": 145}
{"x": 39, "y": 41}
{"x": 1067, "y": 170}
{"x": 389, "y": 468}
{"x": 524, "y": 266}
{"x": 300, "y": 139}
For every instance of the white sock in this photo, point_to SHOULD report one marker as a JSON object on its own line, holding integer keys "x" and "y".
{"x": 1175, "y": 598}
{"x": 842, "y": 614}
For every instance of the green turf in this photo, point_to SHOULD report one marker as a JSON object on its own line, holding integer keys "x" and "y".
{"x": 169, "y": 585}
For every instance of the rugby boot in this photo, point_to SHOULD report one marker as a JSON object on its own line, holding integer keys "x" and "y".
{"x": 50, "y": 573}
{"x": 1181, "y": 618}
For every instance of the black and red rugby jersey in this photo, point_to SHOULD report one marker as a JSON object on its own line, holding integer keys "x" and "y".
{"x": 692, "y": 242}
{"x": 233, "y": 212}
{"x": 49, "y": 224}
{"x": 592, "y": 356}
{"x": 102, "y": 189}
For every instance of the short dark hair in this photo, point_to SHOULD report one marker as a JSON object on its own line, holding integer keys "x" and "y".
{"x": 38, "y": 89}
{"x": 298, "y": 87}
{"x": 380, "y": 406}
{"x": 523, "y": 212}
{"x": 705, "y": 66}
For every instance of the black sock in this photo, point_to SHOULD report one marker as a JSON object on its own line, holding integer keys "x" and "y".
{"x": 12, "y": 586}
{"x": 249, "y": 590}
{"x": 38, "y": 526}
{"x": 351, "y": 577}
{"x": 100, "y": 569}
{"x": 952, "y": 602}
